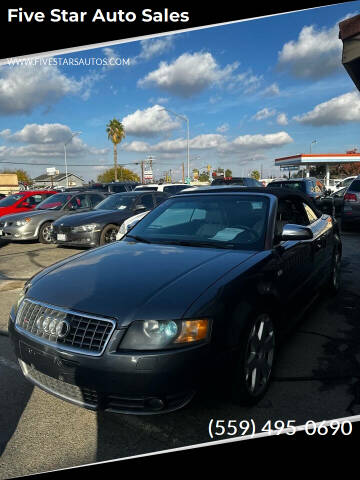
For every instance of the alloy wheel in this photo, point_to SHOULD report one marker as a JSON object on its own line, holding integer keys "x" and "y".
{"x": 259, "y": 355}
{"x": 110, "y": 235}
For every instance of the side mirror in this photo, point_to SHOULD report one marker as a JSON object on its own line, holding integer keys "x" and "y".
{"x": 296, "y": 232}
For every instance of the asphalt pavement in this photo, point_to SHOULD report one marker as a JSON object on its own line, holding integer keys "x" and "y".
{"x": 317, "y": 377}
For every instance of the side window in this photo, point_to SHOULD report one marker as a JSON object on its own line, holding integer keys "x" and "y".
{"x": 159, "y": 199}
{"x": 44, "y": 196}
{"x": 79, "y": 201}
{"x": 310, "y": 213}
{"x": 33, "y": 200}
{"x": 147, "y": 201}
{"x": 95, "y": 199}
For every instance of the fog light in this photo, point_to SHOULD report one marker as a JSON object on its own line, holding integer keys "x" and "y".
{"x": 155, "y": 403}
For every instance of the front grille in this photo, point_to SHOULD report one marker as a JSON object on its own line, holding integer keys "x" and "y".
{"x": 62, "y": 229}
{"x": 78, "y": 332}
{"x": 83, "y": 396}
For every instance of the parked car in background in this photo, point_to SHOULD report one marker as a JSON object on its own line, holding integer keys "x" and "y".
{"x": 170, "y": 188}
{"x": 129, "y": 223}
{"x": 310, "y": 186}
{"x": 344, "y": 183}
{"x": 244, "y": 181}
{"x": 2, "y": 195}
{"x": 113, "y": 187}
{"x": 36, "y": 224}
{"x": 351, "y": 212}
{"x": 23, "y": 201}
{"x": 101, "y": 225}
{"x": 202, "y": 289}
{"x": 313, "y": 188}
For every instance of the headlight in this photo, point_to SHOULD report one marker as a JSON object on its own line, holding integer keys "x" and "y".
{"x": 85, "y": 228}
{"x": 21, "y": 223}
{"x": 154, "y": 334}
{"x": 21, "y": 297}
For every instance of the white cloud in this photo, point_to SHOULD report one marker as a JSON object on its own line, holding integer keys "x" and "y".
{"x": 253, "y": 143}
{"x": 272, "y": 90}
{"x": 223, "y": 128}
{"x": 315, "y": 54}
{"x": 282, "y": 119}
{"x": 137, "y": 146}
{"x": 154, "y": 47}
{"x": 149, "y": 122}
{"x": 24, "y": 87}
{"x": 245, "y": 82}
{"x": 246, "y": 144}
{"x": 188, "y": 75}
{"x": 46, "y": 140}
{"x": 264, "y": 113}
{"x": 42, "y": 134}
{"x": 338, "y": 110}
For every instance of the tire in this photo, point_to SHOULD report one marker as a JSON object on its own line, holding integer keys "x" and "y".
{"x": 253, "y": 370}
{"x": 108, "y": 235}
{"x": 334, "y": 281}
{"x": 44, "y": 233}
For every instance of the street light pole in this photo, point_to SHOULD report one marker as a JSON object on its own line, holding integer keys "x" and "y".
{"x": 73, "y": 134}
{"x": 183, "y": 117}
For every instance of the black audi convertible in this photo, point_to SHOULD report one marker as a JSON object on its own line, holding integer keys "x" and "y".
{"x": 202, "y": 289}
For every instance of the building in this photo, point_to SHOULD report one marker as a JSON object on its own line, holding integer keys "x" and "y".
{"x": 59, "y": 180}
{"x": 310, "y": 160}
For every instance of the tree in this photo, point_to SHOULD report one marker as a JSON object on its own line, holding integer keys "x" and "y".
{"x": 228, "y": 173}
{"x": 255, "y": 174}
{"x": 109, "y": 175}
{"x": 204, "y": 177}
{"x": 347, "y": 169}
{"x": 23, "y": 177}
{"x": 116, "y": 132}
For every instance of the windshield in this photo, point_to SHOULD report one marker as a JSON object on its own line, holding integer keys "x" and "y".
{"x": 116, "y": 202}
{"x": 220, "y": 221}
{"x": 10, "y": 200}
{"x": 55, "y": 202}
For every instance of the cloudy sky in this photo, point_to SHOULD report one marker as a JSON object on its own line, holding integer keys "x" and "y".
{"x": 253, "y": 91}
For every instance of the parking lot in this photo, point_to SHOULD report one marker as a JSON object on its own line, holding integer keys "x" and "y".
{"x": 317, "y": 377}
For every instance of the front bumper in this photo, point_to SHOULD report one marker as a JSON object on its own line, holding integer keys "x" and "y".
{"x": 65, "y": 236}
{"x": 121, "y": 382}
{"x": 15, "y": 233}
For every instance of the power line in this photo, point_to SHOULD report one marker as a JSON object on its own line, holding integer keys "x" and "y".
{"x": 72, "y": 165}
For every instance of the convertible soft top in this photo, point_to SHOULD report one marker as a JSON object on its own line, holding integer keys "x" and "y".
{"x": 278, "y": 192}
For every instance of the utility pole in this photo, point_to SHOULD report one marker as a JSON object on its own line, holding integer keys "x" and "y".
{"x": 183, "y": 173}
{"x": 142, "y": 171}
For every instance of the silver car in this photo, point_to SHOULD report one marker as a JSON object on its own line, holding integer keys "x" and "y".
{"x": 36, "y": 224}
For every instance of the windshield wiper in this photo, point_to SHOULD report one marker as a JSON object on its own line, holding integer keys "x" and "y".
{"x": 139, "y": 239}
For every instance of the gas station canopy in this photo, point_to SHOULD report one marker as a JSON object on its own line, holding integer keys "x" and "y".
{"x": 325, "y": 159}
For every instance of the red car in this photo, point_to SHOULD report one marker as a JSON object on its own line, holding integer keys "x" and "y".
{"x": 23, "y": 201}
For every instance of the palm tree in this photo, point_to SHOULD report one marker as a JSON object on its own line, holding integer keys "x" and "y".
{"x": 116, "y": 132}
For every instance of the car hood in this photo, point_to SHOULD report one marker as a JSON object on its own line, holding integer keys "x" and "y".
{"x": 132, "y": 280}
{"x": 19, "y": 216}
{"x": 93, "y": 216}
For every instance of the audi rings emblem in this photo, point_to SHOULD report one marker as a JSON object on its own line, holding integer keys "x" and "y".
{"x": 53, "y": 326}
